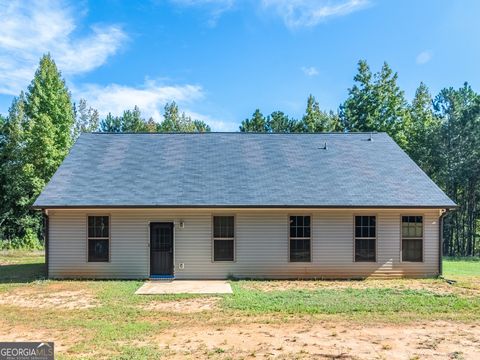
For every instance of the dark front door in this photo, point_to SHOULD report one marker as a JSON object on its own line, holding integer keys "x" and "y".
{"x": 161, "y": 249}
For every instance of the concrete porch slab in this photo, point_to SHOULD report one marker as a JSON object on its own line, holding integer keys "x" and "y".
{"x": 185, "y": 287}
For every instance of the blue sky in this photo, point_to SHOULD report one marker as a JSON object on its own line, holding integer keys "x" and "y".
{"x": 222, "y": 59}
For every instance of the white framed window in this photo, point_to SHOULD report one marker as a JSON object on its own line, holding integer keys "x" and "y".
{"x": 300, "y": 238}
{"x": 412, "y": 238}
{"x": 98, "y": 238}
{"x": 223, "y": 238}
{"x": 365, "y": 238}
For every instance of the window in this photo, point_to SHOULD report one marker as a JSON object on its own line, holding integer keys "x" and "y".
{"x": 365, "y": 238}
{"x": 98, "y": 238}
{"x": 300, "y": 239}
{"x": 412, "y": 238}
{"x": 223, "y": 238}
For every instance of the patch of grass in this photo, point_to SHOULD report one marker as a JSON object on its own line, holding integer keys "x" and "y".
{"x": 138, "y": 353}
{"x": 347, "y": 301}
{"x": 461, "y": 267}
{"x": 465, "y": 271}
{"x": 21, "y": 273}
{"x": 17, "y": 266}
{"x": 21, "y": 257}
{"x": 121, "y": 325}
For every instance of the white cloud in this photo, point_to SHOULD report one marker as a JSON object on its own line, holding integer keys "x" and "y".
{"x": 424, "y": 57}
{"x": 215, "y": 124}
{"x": 32, "y": 28}
{"x": 308, "y": 13}
{"x": 149, "y": 97}
{"x": 216, "y": 8}
{"x": 310, "y": 70}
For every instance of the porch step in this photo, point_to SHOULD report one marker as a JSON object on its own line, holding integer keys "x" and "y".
{"x": 162, "y": 277}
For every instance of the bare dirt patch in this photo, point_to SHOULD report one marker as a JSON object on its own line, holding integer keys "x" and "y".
{"x": 440, "y": 287}
{"x": 324, "y": 340}
{"x": 187, "y": 306}
{"x": 62, "y": 339}
{"x": 53, "y": 296}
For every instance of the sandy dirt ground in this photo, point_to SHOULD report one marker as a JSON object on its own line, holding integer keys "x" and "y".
{"x": 327, "y": 340}
{"x": 186, "y": 306}
{"x": 254, "y": 338}
{"x": 54, "y": 296}
{"x": 321, "y": 340}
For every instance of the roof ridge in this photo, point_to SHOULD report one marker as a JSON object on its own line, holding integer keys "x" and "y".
{"x": 236, "y": 133}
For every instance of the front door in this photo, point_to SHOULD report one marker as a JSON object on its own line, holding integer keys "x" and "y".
{"x": 161, "y": 249}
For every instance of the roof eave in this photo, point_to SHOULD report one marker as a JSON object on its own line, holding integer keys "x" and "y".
{"x": 370, "y": 206}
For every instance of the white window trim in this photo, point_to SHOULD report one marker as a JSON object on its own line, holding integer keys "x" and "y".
{"x": 412, "y": 238}
{"x": 109, "y": 238}
{"x": 302, "y": 238}
{"x": 365, "y": 238}
{"x": 222, "y": 238}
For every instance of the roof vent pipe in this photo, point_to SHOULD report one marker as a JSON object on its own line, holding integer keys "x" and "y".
{"x": 324, "y": 146}
{"x": 371, "y": 137}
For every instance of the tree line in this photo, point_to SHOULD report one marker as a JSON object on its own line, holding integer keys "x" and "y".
{"x": 441, "y": 134}
{"x": 35, "y": 136}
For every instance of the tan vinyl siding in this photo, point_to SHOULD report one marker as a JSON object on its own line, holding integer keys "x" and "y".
{"x": 261, "y": 244}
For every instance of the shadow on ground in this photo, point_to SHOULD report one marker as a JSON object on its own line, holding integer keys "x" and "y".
{"x": 21, "y": 273}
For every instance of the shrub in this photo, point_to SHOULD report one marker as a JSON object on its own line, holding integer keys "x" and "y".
{"x": 28, "y": 242}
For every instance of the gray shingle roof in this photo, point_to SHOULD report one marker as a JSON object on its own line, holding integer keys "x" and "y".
{"x": 238, "y": 169}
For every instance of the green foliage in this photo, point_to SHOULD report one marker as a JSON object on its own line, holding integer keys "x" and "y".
{"x": 176, "y": 121}
{"x": 457, "y": 166}
{"x": 423, "y": 130}
{"x": 86, "y": 119}
{"x": 279, "y": 122}
{"x": 442, "y": 136}
{"x": 258, "y": 123}
{"x": 130, "y": 121}
{"x": 37, "y": 135}
{"x": 111, "y": 124}
{"x": 276, "y": 122}
{"x": 376, "y": 103}
{"x": 316, "y": 120}
{"x": 17, "y": 179}
{"x": 29, "y": 241}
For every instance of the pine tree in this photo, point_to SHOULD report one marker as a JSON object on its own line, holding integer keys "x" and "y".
{"x": 151, "y": 126}
{"x": 279, "y": 122}
{"x": 257, "y": 123}
{"x": 316, "y": 120}
{"x": 16, "y": 218}
{"x": 112, "y": 124}
{"x": 132, "y": 121}
{"x": 171, "y": 118}
{"x": 201, "y": 126}
{"x": 457, "y": 160}
{"x": 376, "y": 103}
{"x": 423, "y": 130}
{"x": 86, "y": 119}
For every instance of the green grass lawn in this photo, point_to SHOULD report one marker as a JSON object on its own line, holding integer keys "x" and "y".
{"x": 118, "y": 322}
{"x": 357, "y": 302}
{"x": 462, "y": 267}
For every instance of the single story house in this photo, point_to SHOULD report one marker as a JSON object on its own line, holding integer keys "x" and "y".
{"x": 246, "y": 205}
